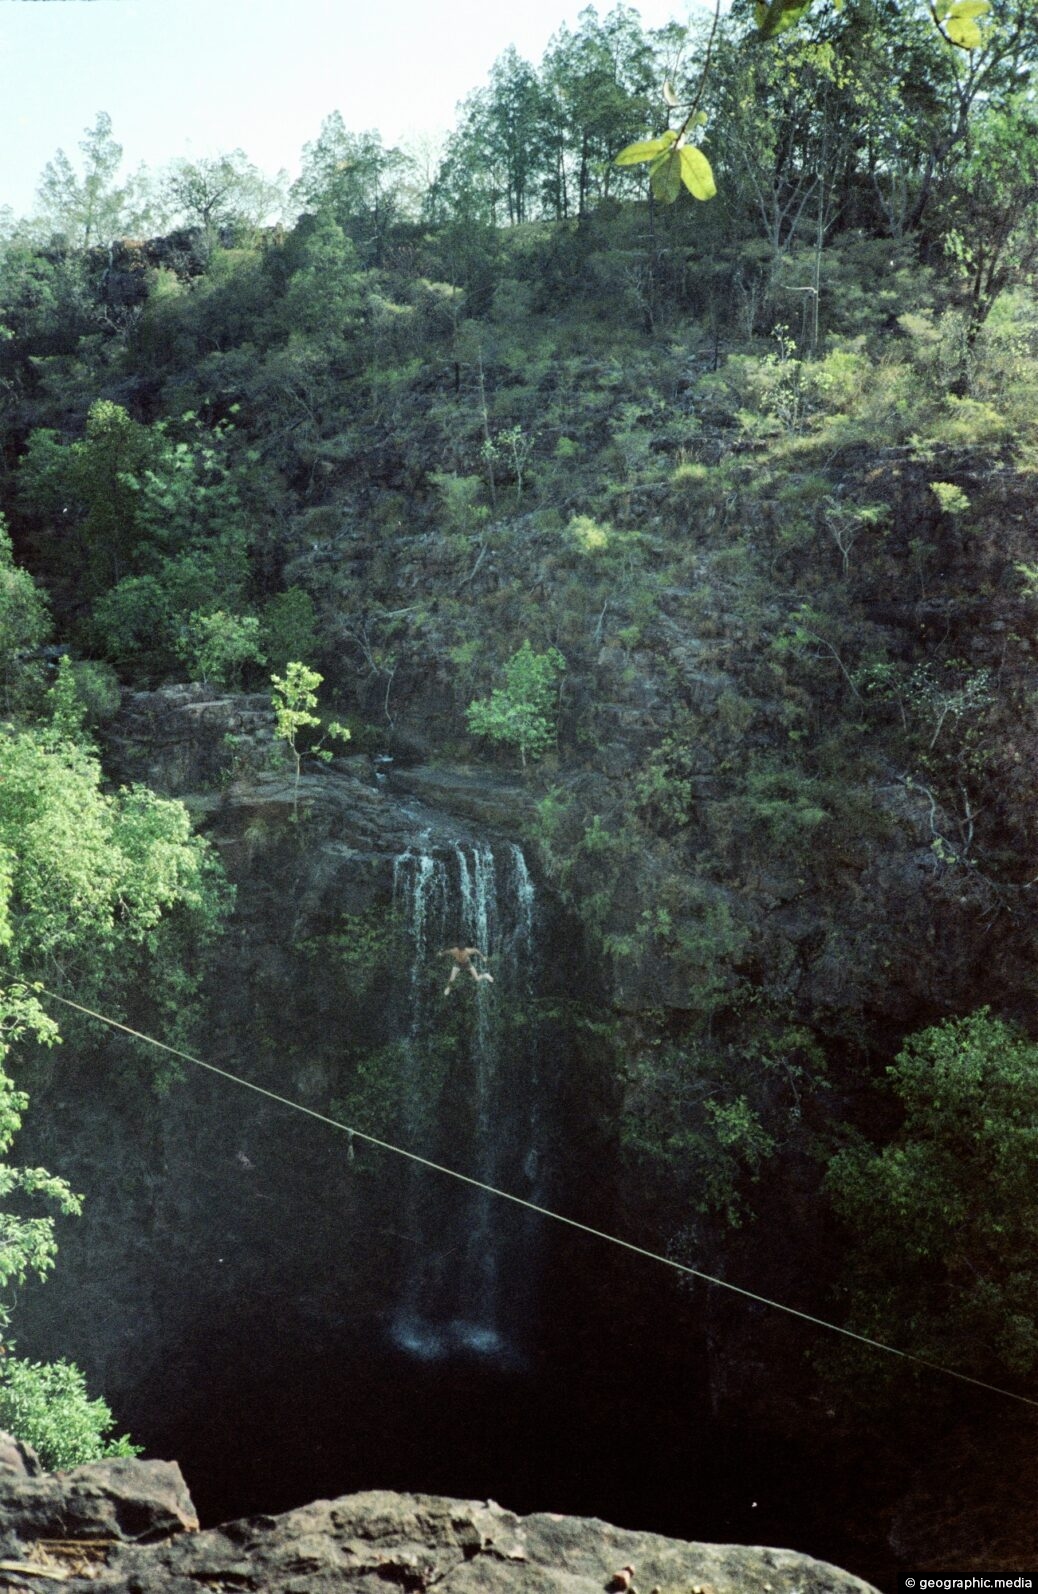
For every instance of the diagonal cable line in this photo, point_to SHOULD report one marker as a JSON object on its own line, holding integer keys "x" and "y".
{"x": 532, "y": 1206}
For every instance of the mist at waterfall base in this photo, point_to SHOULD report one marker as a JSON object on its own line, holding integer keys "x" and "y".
{"x": 509, "y": 1358}
{"x": 600, "y": 1418}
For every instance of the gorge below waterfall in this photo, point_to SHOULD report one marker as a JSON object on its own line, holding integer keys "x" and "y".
{"x": 297, "y": 1314}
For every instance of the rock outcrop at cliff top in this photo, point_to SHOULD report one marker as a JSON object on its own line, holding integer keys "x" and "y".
{"x": 129, "y": 1526}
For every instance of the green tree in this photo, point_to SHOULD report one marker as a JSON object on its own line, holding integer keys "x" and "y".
{"x": 85, "y": 694}
{"x": 220, "y": 191}
{"x": 323, "y": 298}
{"x": 943, "y": 1221}
{"x": 900, "y": 92}
{"x": 464, "y": 199}
{"x": 91, "y": 207}
{"x": 46, "y": 1404}
{"x": 288, "y": 627}
{"x": 68, "y": 711}
{"x": 601, "y": 82}
{"x": 136, "y": 624}
{"x": 90, "y": 489}
{"x": 45, "y": 306}
{"x": 107, "y": 890}
{"x": 99, "y": 887}
{"x": 356, "y": 180}
{"x": 24, "y": 621}
{"x": 522, "y": 712}
{"x": 294, "y": 699}
{"x": 992, "y": 214}
{"x": 686, "y": 1119}
{"x": 150, "y": 521}
{"x": 220, "y": 646}
{"x": 504, "y": 126}
{"x": 779, "y": 137}
{"x": 945, "y": 90}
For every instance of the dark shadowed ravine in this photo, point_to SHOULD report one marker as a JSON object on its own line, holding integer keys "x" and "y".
{"x": 296, "y": 1315}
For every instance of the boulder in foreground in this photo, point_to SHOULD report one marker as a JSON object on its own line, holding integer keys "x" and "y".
{"x": 127, "y": 1526}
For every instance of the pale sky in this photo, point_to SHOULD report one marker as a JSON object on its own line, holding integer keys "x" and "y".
{"x": 200, "y": 77}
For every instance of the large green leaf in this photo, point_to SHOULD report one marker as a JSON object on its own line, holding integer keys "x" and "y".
{"x": 646, "y": 150}
{"x": 957, "y": 20}
{"x": 779, "y": 15}
{"x": 944, "y": 9}
{"x": 696, "y": 173}
{"x": 666, "y": 177}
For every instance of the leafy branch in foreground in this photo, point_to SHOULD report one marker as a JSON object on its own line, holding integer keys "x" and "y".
{"x": 674, "y": 162}
{"x": 44, "y": 1403}
{"x": 27, "y": 1244}
{"x": 956, "y": 21}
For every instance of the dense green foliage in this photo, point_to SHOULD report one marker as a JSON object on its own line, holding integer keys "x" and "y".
{"x": 90, "y": 874}
{"x": 47, "y": 1405}
{"x": 97, "y": 890}
{"x": 294, "y": 699}
{"x": 520, "y": 713}
{"x": 104, "y": 894}
{"x": 945, "y": 1216}
{"x": 24, "y": 624}
{"x": 27, "y": 1244}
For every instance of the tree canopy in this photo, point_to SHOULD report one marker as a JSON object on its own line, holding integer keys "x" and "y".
{"x": 944, "y": 1217}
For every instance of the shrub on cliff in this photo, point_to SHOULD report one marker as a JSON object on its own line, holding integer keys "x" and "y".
{"x": 294, "y": 699}
{"x": 46, "y": 1404}
{"x": 521, "y": 713}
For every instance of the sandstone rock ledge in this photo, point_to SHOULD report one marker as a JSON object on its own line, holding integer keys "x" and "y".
{"x": 128, "y": 1527}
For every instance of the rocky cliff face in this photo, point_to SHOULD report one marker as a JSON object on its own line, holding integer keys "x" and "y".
{"x": 127, "y": 1526}
{"x": 270, "y": 1304}
{"x": 237, "y": 1260}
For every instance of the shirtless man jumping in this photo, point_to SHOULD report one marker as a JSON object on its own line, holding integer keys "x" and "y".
{"x": 463, "y": 956}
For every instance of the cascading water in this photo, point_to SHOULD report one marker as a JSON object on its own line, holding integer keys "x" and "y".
{"x": 466, "y": 1274}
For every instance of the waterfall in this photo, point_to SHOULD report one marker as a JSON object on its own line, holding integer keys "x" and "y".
{"x": 468, "y": 1264}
